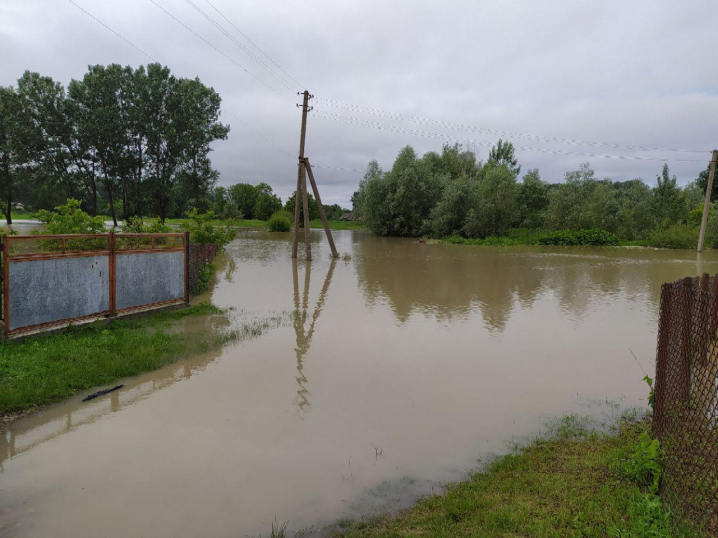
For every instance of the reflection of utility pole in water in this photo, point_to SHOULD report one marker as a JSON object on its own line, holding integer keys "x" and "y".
{"x": 304, "y": 339}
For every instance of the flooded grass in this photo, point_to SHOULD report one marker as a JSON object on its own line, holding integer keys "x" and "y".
{"x": 567, "y": 485}
{"x": 49, "y": 369}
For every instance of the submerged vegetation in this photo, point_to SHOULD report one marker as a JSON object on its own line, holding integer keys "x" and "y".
{"x": 48, "y": 369}
{"x": 578, "y": 483}
{"x": 453, "y": 195}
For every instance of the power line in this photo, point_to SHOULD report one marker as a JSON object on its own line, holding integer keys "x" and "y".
{"x": 240, "y": 46}
{"x": 223, "y": 53}
{"x": 495, "y": 132}
{"x": 285, "y": 152}
{"x": 245, "y": 124}
{"x": 255, "y": 45}
{"x": 111, "y": 30}
{"x": 427, "y": 134}
{"x": 340, "y": 168}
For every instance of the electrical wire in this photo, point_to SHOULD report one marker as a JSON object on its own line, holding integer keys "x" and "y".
{"x": 223, "y": 53}
{"x": 427, "y": 134}
{"x": 244, "y": 49}
{"x": 255, "y": 45}
{"x": 111, "y": 30}
{"x": 285, "y": 152}
{"x": 495, "y": 132}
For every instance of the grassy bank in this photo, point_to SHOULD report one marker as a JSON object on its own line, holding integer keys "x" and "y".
{"x": 579, "y": 483}
{"x": 49, "y": 369}
{"x": 596, "y": 238}
{"x": 254, "y": 223}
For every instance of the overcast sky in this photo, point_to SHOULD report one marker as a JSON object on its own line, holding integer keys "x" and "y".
{"x": 623, "y": 72}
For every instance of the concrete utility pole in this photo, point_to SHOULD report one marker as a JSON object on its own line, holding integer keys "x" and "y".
{"x": 707, "y": 203}
{"x": 302, "y": 186}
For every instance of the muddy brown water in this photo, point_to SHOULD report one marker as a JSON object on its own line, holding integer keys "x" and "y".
{"x": 403, "y": 366}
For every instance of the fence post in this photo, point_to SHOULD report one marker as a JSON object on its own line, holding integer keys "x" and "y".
{"x": 714, "y": 308}
{"x": 113, "y": 278}
{"x": 6, "y": 283}
{"x": 704, "y": 322}
{"x": 684, "y": 367}
{"x": 662, "y": 357}
{"x": 186, "y": 267}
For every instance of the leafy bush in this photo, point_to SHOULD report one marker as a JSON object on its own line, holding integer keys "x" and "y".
{"x": 644, "y": 465}
{"x": 70, "y": 219}
{"x": 137, "y": 226}
{"x": 579, "y": 238}
{"x": 676, "y": 236}
{"x": 203, "y": 229}
{"x": 281, "y": 221}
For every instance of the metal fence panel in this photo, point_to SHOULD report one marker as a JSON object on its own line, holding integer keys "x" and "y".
{"x": 148, "y": 278}
{"x": 49, "y": 280}
{"x": 45, "y": 290}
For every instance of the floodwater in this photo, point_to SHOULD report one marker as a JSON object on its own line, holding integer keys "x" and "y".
{"x": 402, "y": 367}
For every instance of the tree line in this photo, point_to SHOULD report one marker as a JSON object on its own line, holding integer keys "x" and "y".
{"x": 246, "y": 201}
{"x": 121, "y": 140}
{"x": 453, "y": 194}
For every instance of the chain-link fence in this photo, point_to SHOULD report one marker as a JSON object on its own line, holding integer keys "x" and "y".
{"x": 199, "y": 255}
{"x": 685, "y": 417}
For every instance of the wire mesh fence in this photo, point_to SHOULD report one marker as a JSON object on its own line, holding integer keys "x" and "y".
{"x": 685, "y": 417}
{"x": 199, "y": 255}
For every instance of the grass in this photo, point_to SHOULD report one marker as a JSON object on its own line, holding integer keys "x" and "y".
{"x": 568, "y": 486}
{"x": 48, "y": 369}
{"x": 337, "y": 224}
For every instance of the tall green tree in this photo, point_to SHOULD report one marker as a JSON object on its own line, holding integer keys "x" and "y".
{"x": 533, "y": 200}
{"x": 184, "y": 121}
{"x": 669, "y": 203}
{"x": 503, "y": 154}
{"x": 493, "y": 202}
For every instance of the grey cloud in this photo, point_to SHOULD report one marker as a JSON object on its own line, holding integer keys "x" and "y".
{"x": 640, "y": 72}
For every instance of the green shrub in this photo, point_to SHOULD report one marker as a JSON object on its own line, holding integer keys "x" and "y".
{"x": 592, "y": 237}
{"x": 203, "y": 229}
{"x": 712, "y": 229}
{"x": 70, "y": 219}
{"x": 676, "y": 236}
{"x": 136, "y": 225}
{"x": 281, "y": 221}
{"x": 644, "y": 465}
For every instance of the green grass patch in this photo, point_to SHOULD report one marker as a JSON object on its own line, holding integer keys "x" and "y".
{"x": 43, "y": 370}
{"x": 519, "y": 236}
{"x": 574, "y": 484}
{"x": 337, "y": 224}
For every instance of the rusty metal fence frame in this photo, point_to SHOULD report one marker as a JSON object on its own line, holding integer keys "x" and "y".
{"x": 111, "y": 252}
{"x": 685, "y": 415}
